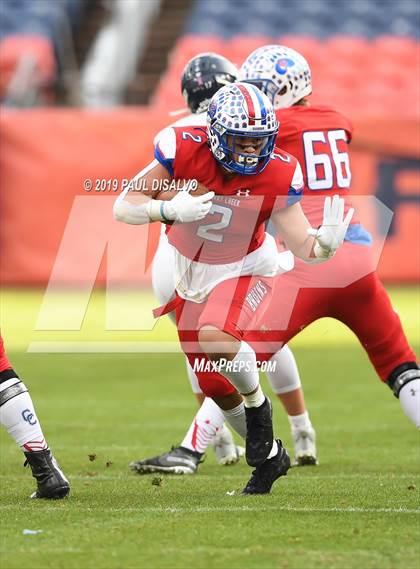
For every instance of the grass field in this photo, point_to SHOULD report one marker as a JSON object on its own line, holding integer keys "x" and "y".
{"x": 358, "y": 509}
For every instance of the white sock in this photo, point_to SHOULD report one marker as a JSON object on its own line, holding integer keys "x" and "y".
{"x": 236, "y": 419}
{"x": 300, "y": 422}
{"x": 410, "y": 400}
{"x": 207, "y": 423}
{"x": 285, "y": 375}
{"x": 223, "y": 434}
{"x": 19, "y": 418}
{"x": 242, "y": 370}
{"x": 195, "y": 386}
{"x": 274, "y": 450}
{"x": 255, "y": 399}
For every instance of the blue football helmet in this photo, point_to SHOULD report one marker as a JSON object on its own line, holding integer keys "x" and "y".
{"x": 241, "y": 115}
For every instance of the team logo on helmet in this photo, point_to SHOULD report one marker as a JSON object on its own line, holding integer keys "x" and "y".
{"x": 280, "y": 72}
{"x": 282, "y": 65}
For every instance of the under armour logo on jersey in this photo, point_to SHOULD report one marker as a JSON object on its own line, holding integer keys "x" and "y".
{"x": 29, "y": 417}
{"x": 243, "y": 193}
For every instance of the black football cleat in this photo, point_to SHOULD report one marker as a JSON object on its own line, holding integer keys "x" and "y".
{"x": 264, "y": 476}
{"x": 178, "y": 460}
{"x": 259, "y": 433}
{"x": 51, "y": 482}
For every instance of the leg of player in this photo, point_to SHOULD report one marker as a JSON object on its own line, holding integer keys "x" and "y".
{"x": 241, "y": 370}
{"x": 227, "y": 452}
{"x": 206, "y": 428}
{"x": 405, "y": 383}
{"x": 285, "y": 381}
{"x": 386, "y": 344}
{"x": 17, "y": 415}
{"x": 185, "y": 458}
{"x": 262, "y": 450}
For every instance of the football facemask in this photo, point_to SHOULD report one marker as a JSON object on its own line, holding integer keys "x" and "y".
{"x": 242, "y": 128}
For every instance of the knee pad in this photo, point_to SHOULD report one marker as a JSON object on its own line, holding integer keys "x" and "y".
{"x": 284, "y": 375}
{"x": 402, "y": 375}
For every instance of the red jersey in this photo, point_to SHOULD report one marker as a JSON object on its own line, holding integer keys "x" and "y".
{"x": 4, "y": 362}
{"x": 318, "y": 136}
{"x": 235, "y": 225}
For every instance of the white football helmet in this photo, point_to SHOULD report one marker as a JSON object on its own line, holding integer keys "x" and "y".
{"x": 280, "y": 72}
{"x": 236, "y": 111}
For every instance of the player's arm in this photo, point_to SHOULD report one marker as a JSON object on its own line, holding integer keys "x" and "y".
{"x": 138, "y": 204}
{"x": 312, "y": 245}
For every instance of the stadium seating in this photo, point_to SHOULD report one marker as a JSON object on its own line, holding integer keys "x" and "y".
{"x": 39, "y": 54}
{"x": 358, "y": 63}
{"x": 34, "y": 31}
{"x": 319, "y": 18}
{"x": 355, "y": 74}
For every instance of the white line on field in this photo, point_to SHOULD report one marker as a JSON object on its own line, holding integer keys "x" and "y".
{"x": 294, "y": 477}
{"x": 383, "y": 478}
{"x": 224, "y": 508}
{"x": 349, "y": 510}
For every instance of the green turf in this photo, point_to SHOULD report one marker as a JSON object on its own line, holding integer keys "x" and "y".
{"x": 358, "y": 509}
{"x": 29, "y": 317}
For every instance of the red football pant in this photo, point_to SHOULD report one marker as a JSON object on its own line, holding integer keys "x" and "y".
{"x": 364, "y": 307}
{"x": 235, "y": 306}
{"x": 310, "y": 292}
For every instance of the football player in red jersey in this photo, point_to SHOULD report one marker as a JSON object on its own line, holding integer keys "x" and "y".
{"x": 348, "y": 288}
{"x": 226, "y": 263}
{"x": 202, "y": 77}
{"x": 17, "y": 415}
{"x": 285, "y": 76}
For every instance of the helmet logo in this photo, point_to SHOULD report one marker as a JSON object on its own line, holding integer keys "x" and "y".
{"x": 283, "y": 63}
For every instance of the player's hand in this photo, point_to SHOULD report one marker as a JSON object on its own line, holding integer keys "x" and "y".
{"x": 184, "y": 207}
{"x": 331, "y": 234}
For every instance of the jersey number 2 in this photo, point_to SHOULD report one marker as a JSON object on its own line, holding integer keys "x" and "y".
{"x": 329, "y": 168}
{"x": 208, "y": 231}
{"x": 188, "y": 135}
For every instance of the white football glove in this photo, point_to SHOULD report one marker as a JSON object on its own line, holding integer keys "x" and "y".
{"x": 331, "y": 234}
{"x": 184, "y": 207}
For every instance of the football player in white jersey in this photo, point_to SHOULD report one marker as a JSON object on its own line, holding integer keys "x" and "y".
{"x": 202, "y": 77}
